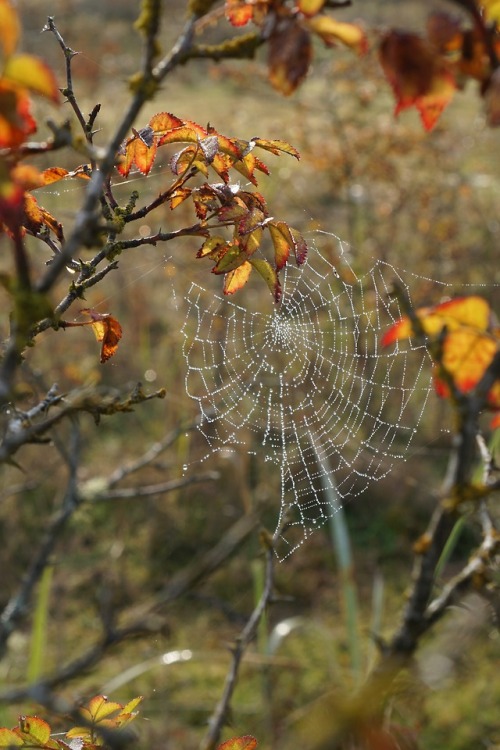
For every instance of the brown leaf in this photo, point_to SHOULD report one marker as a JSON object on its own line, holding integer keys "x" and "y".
{"x": 107, "y": 330}
{"x": 290, "y": 54}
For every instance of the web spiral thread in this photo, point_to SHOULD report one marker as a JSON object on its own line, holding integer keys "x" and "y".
{"x": 306, "y": 384}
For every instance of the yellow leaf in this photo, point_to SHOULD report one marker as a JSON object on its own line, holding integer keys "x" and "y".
{"x": 33, "y": 74}
{"x": 332, "y": 31}
{"x": 9, "y": 28}
{"x": 237, "y": 279}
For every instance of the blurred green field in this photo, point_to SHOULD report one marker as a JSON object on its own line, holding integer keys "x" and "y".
{"x": 423, "y": 202}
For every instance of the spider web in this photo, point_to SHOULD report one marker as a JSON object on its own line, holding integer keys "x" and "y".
{"x": 306, "y": 385}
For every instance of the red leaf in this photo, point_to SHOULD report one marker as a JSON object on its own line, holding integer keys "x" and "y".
{"x": 418, "y": 75}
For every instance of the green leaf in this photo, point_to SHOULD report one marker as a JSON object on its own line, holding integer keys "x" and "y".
{"x": 270, "y": 276}
{"x": 8, "y": 738}
{"x": 232, "y": 258}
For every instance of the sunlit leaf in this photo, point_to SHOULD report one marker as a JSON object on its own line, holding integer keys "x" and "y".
{"x": 54, "y": 174}
{"x": 332, "y": 31}
{"x": 33, "y": 74}
{"x": 8, "y": 738}
{"x": 179, "y": 196}
{"x": 466, "y": 354}
{"x": 492, "y": 10}
{"x": 16, "y": 121}
{"x": 246, "y": 742}
{"x": 163, "y": 122}
{"x": 276, "y": 146}
{"x": 34, "y": 731}
{"x": 107, "y": 330}
{"x": 269, "y": 275}
{"x": 237, "y": 279}
{"x": 212, "y": 247}
{"x": 290, "y": 54}
{"x": 9, "y": 28}
{"x": 137, "y": 152}
{"x": 232, "y": 258}
{"x": 418, "y": 75}
{"x": 36, "y": 216}
{"x": 238, "y": 12}
{"x": 282, "y": 245}
{"x": 473, "y": 312}
{"x": 310, "y": 7}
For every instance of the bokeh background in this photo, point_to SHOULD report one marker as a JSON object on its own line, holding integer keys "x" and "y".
{"x": 424, "y": 202}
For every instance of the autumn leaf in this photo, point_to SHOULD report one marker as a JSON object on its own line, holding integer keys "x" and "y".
{"x": 35, "y": 217}
{"x": 16, "y": 121}
{"x": 310, "y": 7}
{"x": 107, "y": 330}
{"x": 418, "y": 75}
{"x": 236, "y": 279}
{"x": 33, "y": 74}
{"x": 238, "y": 12}
{"x": 290, "y": 54}
{"x": 332, "y": 31}
{"x": 270, "y": 276}
{"x": 246, "y": 742}
{"x": 9, "y": 28}
{"x": 468, "y": 340}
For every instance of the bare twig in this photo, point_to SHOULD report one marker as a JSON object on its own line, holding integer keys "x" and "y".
{"x": 220, "y": 714}
{"x": 17, "y": 606}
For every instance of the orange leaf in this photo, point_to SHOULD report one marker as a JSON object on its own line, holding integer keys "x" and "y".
{"x": 473, "y": 312}
{"x": 275, "y": 146}
{"x": 237, "y": 278}
{"x": 290, "y": 54}
{"x": 54, "y": 174}
{"x": 36, "y": 216}
{"x": 418, "y": 75}
{"x": 139, "y": 153}
{"x": 247, "y": 742}
{"x": 466, "y": 355}
{"x": 16, "y": 121}
{"x": 9, "y": 28}
{"x": 238, "y": 12}
{"x": 33, "y": 74}
{"x": 108, "y": 330}
{"x": 332, "y": 31}
{"x": 164, "y": 121}
{"x": 281, "y": 242}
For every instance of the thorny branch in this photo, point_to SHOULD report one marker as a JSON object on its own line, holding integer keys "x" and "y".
{"x": 220, "y": 715}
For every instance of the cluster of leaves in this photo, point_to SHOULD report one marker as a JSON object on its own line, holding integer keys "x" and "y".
{"x": 219, "y": 205}
{"x": 99, "y": 718}
{"x": 289, "y": 39}
{"x": 20, "y": 76}
{"x": 423, "y": 71}
{"x": 464, "y": 338}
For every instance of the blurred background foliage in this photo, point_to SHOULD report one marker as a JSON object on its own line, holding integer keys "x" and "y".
{"x": 425, "y": 202}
